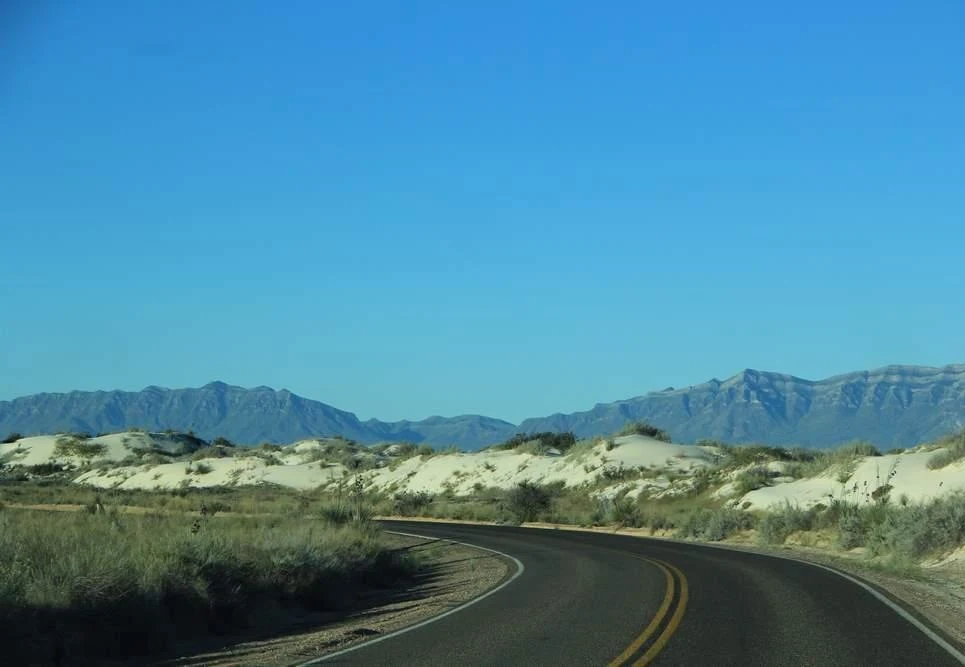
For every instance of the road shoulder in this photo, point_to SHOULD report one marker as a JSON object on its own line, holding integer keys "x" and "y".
{"x": 453, "y": 575}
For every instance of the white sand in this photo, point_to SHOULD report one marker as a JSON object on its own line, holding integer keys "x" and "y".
{"x": 911, "y": 478}
{"x": 658, "y": 470}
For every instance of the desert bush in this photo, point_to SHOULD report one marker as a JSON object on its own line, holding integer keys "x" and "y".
{"x": 777, "y": 524}
{"x": 751, "y": 479}
{"x": 105, "y": 586}
{"x": 954, "y": 450}
{"x": 408, "y": 503}
{"x": 12, "y": 437}
{"x": 714, "y": 524}
{"x": 644, "y": 428}
{"x": 626, "y": 513}
{"x": 540, "y": 442}
{"x": 425, "y": 450}
{"x": 212, "y": 452}
{"x": 71, "y": 445}
{"x": 528, "y": 502}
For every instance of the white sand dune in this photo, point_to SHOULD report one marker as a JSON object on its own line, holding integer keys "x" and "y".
{"x": 911, "y": 478}
{"x": 633, "y": 465}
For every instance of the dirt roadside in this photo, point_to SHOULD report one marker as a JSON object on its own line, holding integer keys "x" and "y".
{"x": 453, "y": 575}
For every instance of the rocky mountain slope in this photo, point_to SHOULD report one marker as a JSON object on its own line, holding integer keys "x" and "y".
{"x": 895, "y": 405}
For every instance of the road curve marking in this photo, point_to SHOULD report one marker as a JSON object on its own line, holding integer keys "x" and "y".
{"x": 949, "y": 648}
{"x": 674, "y": 623}
{"x": 520, "y": 568}
{"x": 657, "y": 619}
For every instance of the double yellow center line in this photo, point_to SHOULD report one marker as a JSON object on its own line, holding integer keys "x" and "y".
{"x": 672, "y": 575}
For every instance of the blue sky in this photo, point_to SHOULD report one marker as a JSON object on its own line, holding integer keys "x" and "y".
{"x": 408, "y": 208}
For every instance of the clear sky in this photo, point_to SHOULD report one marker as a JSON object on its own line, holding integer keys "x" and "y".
{"x": 412, "y": 208}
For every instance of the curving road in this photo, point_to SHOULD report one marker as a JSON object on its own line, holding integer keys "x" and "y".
{"x": 599, "y": 599}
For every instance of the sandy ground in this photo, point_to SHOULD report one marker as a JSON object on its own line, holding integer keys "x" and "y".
{"x": 908, "y": 474}
{"x": 456, "y": 575}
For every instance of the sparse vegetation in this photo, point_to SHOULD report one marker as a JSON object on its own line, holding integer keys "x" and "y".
{"x": 645, "y": 428}
{"x": 714, "y": 524}
{"x": 539, "y": 443}
{"x": 751, "y": 479}
{"x": 11, "y": 438}
{"x": 954, "y": 450}
{"x": 71, "y": 445}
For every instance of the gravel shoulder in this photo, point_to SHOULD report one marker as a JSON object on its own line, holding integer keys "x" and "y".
{"x": 452, "y": 575}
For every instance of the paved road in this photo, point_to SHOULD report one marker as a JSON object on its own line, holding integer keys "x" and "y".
{"x": 597, "y": 599}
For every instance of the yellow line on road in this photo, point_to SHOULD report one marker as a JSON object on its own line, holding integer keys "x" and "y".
{"x": 671, "y": 628}
{"x": 657, "y": 620}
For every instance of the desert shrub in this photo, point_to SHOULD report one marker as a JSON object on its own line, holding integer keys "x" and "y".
{"x": 751, "y": 479}
{"x": 777, "y": 524}
{"x": 71, "y": 445}
{"x": 212, "y": 452}
{"x": 44, "y": 469}
{"x": 409, "y": 503}
{"x": 859, "y": 448}
{"x": 954, "y": 450}
{"x": 714, "y": 524}
{"x": 644, "y": 428}
{"x": 12, "y": 437}
{"x": 617, "y": 473}
{"x": 905, "y": 532}
{"x": 425, "y": 450}
{"x": 133, "y": 585}
{"x": 201, "y": 468}
{"x": 540, "y": 441}
{"x": 528, "y": 501}
{"x": 626, "y": 512}
{"x": 743, "y": 455}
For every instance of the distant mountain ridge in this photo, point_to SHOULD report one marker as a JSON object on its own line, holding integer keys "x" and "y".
{"x": 890, "y": 406}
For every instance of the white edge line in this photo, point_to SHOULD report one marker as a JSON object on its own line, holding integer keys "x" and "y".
{"x": 897, "y": 608}
{"x": 520, "y": 568}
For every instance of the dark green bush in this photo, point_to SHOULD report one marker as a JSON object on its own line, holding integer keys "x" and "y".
{"x": 546, "y": 439}
{"x": 528, "y": 502}
{"x": 645, "y": 428}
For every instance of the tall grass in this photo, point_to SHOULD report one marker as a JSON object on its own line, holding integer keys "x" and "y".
{"x": 107, "y": 585}
{"x": 954, "y": 450}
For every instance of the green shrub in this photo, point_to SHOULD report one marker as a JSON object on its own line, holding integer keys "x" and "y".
{"x": 528, "y": 502}
{"x": 408, "y": 503}
{"x": 626, "y": 513}
{"x": 540, "y": 442}
{"x": 110, "y": 587}
{"x": 13, "y": 437}
{"x": 714, "y": 524}
{"x": 425, "y": 450}
{"x": 644, "y": 428}
{"x": 70, "y": 445}
{"x": 751, "y": 479}
{"x": 777, "y": 524}
{"x": 954, "y": 450}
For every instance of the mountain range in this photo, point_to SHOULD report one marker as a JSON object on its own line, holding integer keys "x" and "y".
{"x": 890, "y": 406}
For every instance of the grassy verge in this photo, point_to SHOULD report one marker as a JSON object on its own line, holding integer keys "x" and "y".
{"x": 106, "y": 585}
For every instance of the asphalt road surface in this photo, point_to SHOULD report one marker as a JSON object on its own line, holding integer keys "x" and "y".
{"x": 598, "y": 599}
